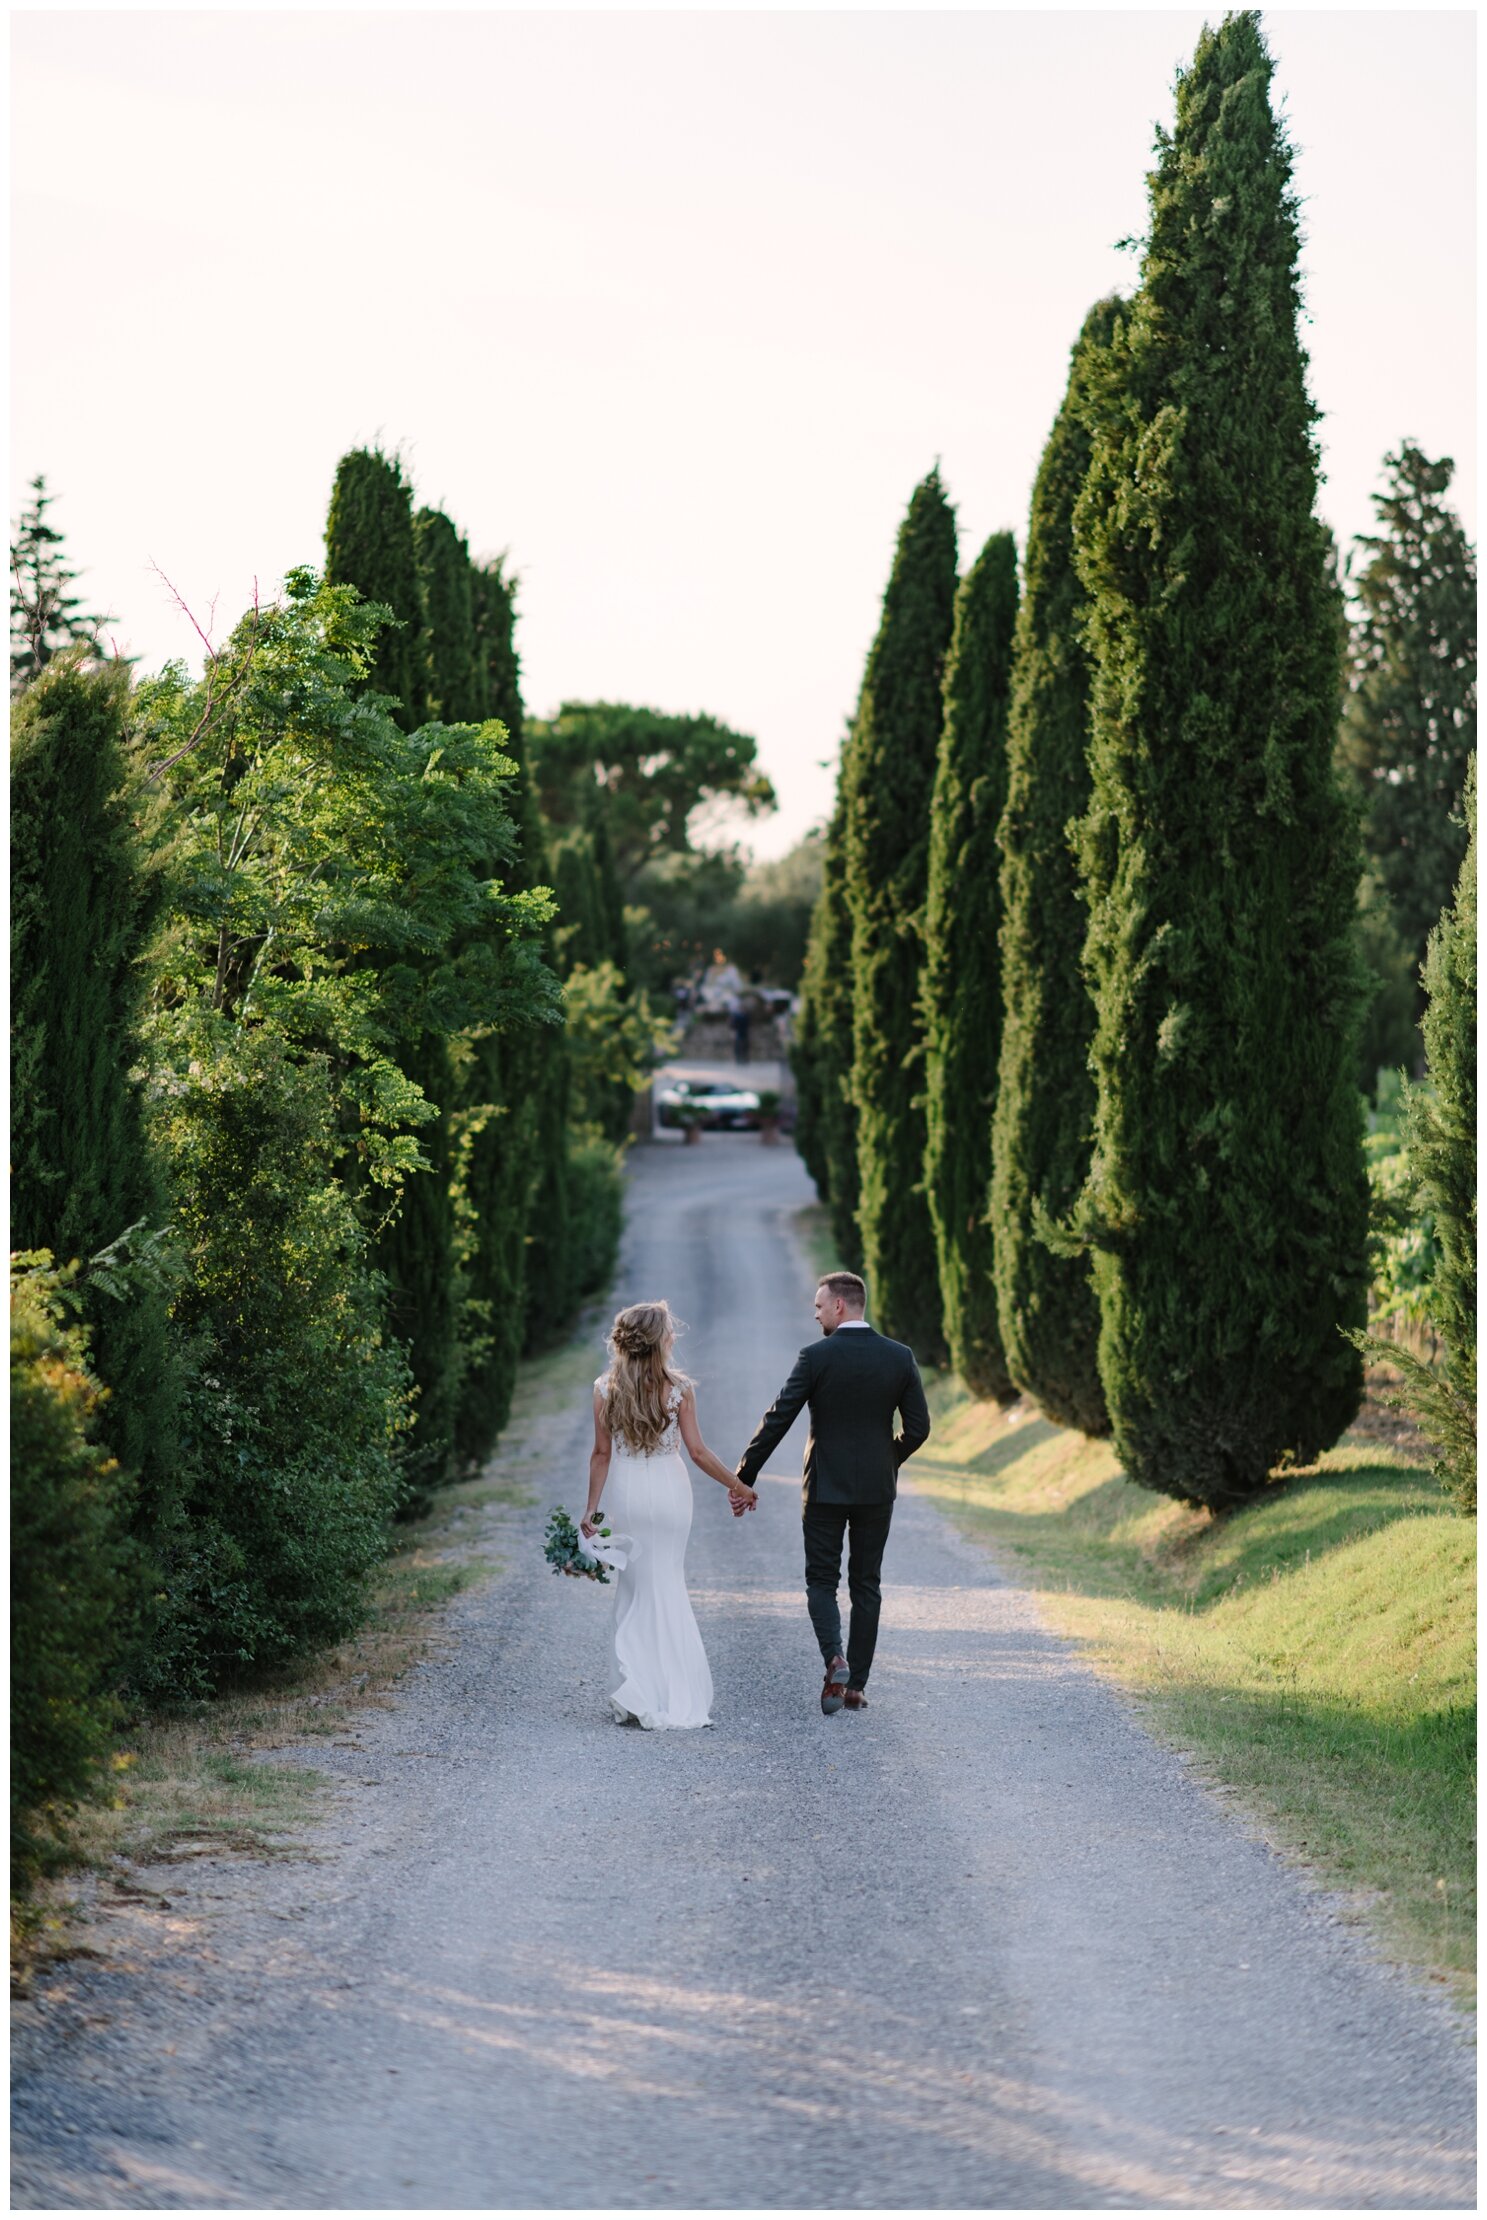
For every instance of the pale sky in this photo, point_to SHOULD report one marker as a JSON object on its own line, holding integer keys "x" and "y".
{"x": 675, "y": 307}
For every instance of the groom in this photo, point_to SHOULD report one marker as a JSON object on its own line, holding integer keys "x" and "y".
{"x": 855, "y": 1381}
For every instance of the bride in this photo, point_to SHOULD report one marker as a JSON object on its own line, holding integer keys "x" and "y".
{"x": 644, "y": 1409}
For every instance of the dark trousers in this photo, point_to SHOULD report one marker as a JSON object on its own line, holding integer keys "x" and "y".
{"x": 864, "y": 1526}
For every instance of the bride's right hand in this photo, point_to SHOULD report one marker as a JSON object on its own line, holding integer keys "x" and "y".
{"x": 741, "y": 1499}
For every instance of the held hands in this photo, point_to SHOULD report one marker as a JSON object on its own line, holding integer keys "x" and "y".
{"x": 741, "y": 1497}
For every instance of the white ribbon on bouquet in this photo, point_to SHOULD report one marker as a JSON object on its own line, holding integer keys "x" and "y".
{"x": 613, "y": 1551}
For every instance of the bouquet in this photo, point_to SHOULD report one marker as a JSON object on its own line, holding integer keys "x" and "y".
{"x": 565, "y": 1549}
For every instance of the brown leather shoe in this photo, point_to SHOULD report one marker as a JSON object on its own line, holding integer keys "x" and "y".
{"x": 855, "y": 1699}
{"x": 835, "y": 1683}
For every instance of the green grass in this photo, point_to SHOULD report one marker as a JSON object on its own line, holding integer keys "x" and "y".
{"x": 1315, "y": 1651}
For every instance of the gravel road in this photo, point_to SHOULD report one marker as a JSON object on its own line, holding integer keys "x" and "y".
{"x": 985, "y": 1945}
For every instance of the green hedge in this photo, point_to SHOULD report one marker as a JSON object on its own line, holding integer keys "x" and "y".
{"x": 70, "y": 1573}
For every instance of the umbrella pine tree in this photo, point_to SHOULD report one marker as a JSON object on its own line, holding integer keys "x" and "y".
{"x": 1046, "y": 1305}
{"x": 962, "y": 962}
{"x": 1226, "y": 1203}
{"x": 888, "y": 779}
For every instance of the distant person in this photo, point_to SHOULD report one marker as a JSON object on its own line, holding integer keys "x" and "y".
{"x": 739, "y": 1014}
{"x": 721, "y": 982}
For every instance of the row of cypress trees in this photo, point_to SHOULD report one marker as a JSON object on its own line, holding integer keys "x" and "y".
{"x": 303, "y": 1153}
{"x": 1090, "y": 1120}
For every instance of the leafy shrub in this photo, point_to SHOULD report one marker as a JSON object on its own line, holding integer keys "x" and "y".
{"x": 1404, "y": 1251}
{"x": 1441, "y": 1152}
{"x": 295, "y": 1404}
{"x": 69, "y": 1569}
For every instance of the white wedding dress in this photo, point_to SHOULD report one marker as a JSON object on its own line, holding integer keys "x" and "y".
{"x": 664, "y": 1679}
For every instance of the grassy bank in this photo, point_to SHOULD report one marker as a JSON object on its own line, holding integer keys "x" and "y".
{"x": 194, "y": 1783}
{"x": 1315, "y": 1652}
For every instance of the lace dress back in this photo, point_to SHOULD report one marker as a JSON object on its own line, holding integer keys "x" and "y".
{"x": 670, "y": 1444}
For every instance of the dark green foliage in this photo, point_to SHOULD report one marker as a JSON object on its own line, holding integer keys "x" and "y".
{"x": 418, "y": 1257}
{"x": 70, "y": 1582}
{"x": 611, "y": 898}
{"x": 83, "y": 901}
{"x": 961, "y": 986}
{"x": 505, "y": 1074}
{"x": 498, "y": 668}
{"x": 455, "y": 1263}
{"x": 1390, "y": 1035}
{"x": 458, "y": 689}
{"x": 1047, "y": 1309}
{"x": 806, "y": 1064}
{"x": 1410, "y": 724}
{"x": 826, "y": 1127}
{"x": 370, "y": 544}
{"x": 581, "y": 932}
{"x": 373, "y": 543}
{"x": 551, "y": 1227}
{"x": 45, "y": 618}
{"x": 596, "y": 1204}
{"x": 1226, "y": 1203}
{"x": 888, "y": 777}
{"x": 1442, "y": 1150}
{"x": 295, "y": 1406}
{"x": 772, "y": 917}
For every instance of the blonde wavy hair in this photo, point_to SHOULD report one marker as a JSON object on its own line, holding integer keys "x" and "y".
{"x": 641, "y": 1374}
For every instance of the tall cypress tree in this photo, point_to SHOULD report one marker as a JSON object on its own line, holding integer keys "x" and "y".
{"x": 529, "y": 1161}
{"x": 457, "y": 693}
{"x": 962, "y": 962}
{"x": 831, "y": 1132}
{"x": 1410, "y": 723}
{"x": 1227, "y": 1203}
{"x": 889, "y": 777}
{"x": 1047, "y": 1310}
{"x": 371, "y": 543}
{"x": 806, "y": 1060}
{"x": 82, "y": 1172}
{"x": 510, "y": 1070}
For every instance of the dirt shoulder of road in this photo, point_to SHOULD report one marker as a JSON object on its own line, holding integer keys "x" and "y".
{"x": 194, "y": 1785}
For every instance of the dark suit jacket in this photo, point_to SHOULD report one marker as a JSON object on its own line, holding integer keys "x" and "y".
{"x": 855, "y": 1381}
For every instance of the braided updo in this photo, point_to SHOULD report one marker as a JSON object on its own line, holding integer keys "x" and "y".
{"x": 641, "y": 1375}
